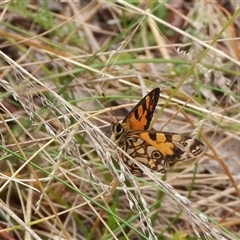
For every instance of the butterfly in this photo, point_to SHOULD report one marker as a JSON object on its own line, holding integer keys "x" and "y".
{"x": 156, "y": 150}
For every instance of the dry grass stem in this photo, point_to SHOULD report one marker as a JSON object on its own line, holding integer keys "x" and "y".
{"x": 62, "y": 176}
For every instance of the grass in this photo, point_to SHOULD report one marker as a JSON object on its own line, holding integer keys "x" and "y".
{"x": 60, "y": 175}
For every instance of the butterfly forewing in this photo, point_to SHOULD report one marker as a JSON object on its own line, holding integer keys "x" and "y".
{"x": 141, "y": 115}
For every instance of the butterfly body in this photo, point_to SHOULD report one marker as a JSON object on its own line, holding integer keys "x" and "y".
{"x": 156, "y": 150}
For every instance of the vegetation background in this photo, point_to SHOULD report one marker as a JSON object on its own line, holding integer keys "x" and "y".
{"x": 63, "y": 64}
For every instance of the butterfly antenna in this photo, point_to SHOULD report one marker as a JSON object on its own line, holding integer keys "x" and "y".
{"x": 112, "y": 111}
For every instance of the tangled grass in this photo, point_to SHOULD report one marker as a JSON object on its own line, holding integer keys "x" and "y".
{"x": 61, "y": 176}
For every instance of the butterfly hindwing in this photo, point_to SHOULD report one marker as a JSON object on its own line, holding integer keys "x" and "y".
{"x": 172, "y": 144}
{"x": 158, "y": 150}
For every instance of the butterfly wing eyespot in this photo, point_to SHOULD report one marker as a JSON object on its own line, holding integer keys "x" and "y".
{"x": 156, "y": 155}
{"x": 156, "y": 150}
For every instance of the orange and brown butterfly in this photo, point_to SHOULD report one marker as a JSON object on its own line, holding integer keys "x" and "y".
{"x": 156, "y": 150}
